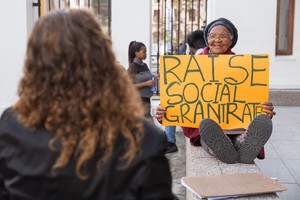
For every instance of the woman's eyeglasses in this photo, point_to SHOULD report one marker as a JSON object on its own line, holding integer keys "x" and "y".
{"x": 221, "y": 37}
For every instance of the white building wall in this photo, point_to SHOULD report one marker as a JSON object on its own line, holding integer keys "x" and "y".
{"x": 256, "y": 24}
{"x": 13, "y": 38}
{"x": 131, "y": 20}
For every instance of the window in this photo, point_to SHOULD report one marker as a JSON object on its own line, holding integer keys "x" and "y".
{"x": 285, "y": 27}
{"x": 102, "y": 8}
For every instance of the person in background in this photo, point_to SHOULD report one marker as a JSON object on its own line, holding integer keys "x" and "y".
{"x": 196, "y": 44}
{"x": 77, "y": 130}
{"x": 245, "y": 145}
{"x": 140, "y": 75}
{"x": 184, "y": 48}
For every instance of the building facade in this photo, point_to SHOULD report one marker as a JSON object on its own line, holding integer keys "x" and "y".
{"x": 257, "y": 23}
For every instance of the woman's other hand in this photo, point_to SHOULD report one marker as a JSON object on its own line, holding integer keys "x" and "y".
{"x": 160, "y": 112}
{"x": 269, "y": 108}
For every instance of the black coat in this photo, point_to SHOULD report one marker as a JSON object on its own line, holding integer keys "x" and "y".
{"x": 26, "y": 161}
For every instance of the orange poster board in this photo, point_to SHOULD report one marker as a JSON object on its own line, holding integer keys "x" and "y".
{"x": 226, "y": 88}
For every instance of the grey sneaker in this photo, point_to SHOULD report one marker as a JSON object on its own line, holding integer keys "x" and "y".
{"x": 213, "y": 138}
{"x": 252, "y": 141}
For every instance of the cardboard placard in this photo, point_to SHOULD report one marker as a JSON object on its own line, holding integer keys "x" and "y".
{"x": 226, "y": 88}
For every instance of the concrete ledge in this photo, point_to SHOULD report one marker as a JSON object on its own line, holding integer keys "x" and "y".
{"x": 201, "y": 163}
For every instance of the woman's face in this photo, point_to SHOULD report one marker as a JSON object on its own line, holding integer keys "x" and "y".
{"x": 219, "y": 40}
{"x": 142, "y": 53}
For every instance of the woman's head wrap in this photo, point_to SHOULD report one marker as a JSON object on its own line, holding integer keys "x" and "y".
{"x": 224, "y": 22}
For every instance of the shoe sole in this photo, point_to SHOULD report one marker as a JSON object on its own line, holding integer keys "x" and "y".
{"x": 258, "y": 133}
{"x": 215, "y": 139}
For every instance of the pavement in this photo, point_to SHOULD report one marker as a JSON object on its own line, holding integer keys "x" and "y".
{"x": 282, "y": 153}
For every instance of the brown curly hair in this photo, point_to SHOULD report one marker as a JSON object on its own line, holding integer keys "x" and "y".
{"x": 73, "y": 86}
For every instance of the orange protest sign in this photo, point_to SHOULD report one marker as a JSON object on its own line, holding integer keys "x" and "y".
{"x": 226, "y": 88}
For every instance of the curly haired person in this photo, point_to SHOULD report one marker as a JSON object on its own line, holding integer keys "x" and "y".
{"x": 77, "y": 130}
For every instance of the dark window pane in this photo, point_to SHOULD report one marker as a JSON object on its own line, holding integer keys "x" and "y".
{"x": 285, "y": 27}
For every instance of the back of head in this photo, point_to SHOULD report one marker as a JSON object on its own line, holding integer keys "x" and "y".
{"x": 134, "y": 46}
{"x": 196, "y": 39}
{"x": 73, "y": 86}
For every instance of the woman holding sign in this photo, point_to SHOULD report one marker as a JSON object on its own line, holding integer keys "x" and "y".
{"x": 241, "y": 145}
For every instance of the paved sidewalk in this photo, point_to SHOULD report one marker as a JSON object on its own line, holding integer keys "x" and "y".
{"x": 283, "y": 151}
{"x": 177, "y": 163}
{"x": 282, "y": 155}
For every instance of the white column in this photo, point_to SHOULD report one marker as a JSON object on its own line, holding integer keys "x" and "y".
{"x": 130, "y": 21}
{"x": 13, "y": 39}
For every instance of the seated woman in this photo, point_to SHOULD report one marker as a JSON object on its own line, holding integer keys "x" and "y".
{"x": 221, "y": 36}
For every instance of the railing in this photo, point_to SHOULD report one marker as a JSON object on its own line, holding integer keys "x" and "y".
{"x": 172, "y": 21}
{"x": 38, "y": 5}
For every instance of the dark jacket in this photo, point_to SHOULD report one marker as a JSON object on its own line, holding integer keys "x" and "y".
{"x": 140, "y": 73}
{"x": 26, "y": 161}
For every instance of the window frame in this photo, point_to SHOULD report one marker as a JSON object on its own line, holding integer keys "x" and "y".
{"x": 290, "y": 29}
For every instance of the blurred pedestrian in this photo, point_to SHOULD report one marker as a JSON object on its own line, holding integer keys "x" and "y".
{"x": 196, "y": 42}
{"x": 140, "y": 75}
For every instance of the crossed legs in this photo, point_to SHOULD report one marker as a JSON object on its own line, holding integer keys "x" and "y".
{"x": 244, "y": 148}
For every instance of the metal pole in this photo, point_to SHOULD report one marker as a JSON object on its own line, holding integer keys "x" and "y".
{"x": 205, "y": 14}
{"x": 185, "y": 23}
{"x": 178, "y": 25}
{"x": 98, "y": 9}
{"x": 158, "y": 27}
{"x": 157, "y": 55}
{"x": 192, "y": 28}
{"x": 172, "y": 6}
{"x": 38, "y": 4}
{"x": 109, "y": 17}
{"x": 199, "y": 14}
{"x": 49, "y": 3}
{"x": 165, "y": 26}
